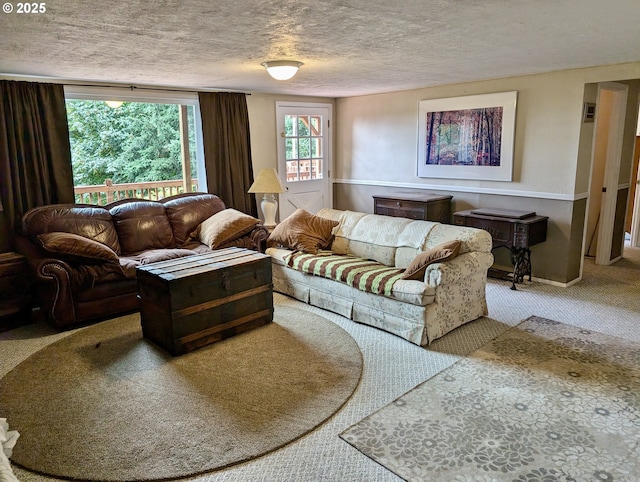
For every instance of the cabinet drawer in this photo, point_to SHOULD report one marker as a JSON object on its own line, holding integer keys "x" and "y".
{"x": 500, "y": 230}
{"x": 425, "y": 208}
{"x": 405, "y": 209}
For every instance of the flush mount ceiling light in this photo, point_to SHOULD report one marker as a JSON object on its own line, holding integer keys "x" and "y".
{"x": 282, "y": 69}
{"x": 114, "y": 104}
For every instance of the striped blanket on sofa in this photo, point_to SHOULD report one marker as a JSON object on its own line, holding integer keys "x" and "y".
{"x": 366, "y": 275}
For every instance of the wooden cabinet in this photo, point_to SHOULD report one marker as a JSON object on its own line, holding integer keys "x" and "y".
{"x": 15, "y": 291}
{"x": 508, "y": 228}
{"x": 422, "y": 206}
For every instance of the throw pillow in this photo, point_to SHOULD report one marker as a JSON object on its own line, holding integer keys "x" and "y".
{"x": 303, "y": 231}
{"x": 77, "y": 248}
{"x": 442, "y": 252}
{"x": 225, "y": 226}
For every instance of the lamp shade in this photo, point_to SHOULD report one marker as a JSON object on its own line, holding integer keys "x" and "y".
{"x": 282, "y": 69}
{"x": 267, "y": 182}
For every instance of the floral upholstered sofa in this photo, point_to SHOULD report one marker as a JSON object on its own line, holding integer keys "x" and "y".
{"x": 416, "y": 279}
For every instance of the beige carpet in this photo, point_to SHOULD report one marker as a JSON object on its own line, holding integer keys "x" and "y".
{"x": 544, "y": 401}
{"x": 606, "y": 301}
{"x": 106, "y": 404}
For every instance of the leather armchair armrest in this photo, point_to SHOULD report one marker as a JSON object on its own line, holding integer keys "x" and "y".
{"x": 53, "y": 282}
{"x": 56, "y": 292}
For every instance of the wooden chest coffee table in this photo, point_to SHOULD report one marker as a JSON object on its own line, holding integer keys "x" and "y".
{"x": 190, "y": 302}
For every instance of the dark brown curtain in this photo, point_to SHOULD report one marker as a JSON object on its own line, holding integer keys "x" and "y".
{"x": 227, "y": 149}
{"x": 35, "y": 155}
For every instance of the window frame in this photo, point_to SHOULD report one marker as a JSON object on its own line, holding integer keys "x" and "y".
{"x": 152, "y": 96}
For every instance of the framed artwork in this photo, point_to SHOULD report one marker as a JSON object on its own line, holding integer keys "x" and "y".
{"x": 467, "y": 137}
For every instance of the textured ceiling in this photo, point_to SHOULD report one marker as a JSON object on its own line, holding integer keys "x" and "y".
{"x": 349, "y": 47}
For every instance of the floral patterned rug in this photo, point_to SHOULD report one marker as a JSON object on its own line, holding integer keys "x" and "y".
{"x": 544, "y": 401}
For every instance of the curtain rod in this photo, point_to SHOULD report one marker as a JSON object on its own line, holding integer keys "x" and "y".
{"x": 34, "y": 78}
{"x": 163, "y": 89}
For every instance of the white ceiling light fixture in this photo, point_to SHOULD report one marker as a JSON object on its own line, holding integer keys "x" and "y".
{"x": 114, "y": 104}
{"x": 282, "y": 69}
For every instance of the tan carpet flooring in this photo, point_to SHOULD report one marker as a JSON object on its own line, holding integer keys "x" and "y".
{"x": 607, "y": 300}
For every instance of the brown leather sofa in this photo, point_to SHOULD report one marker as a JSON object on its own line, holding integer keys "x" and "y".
{"x": 84, "y": 257}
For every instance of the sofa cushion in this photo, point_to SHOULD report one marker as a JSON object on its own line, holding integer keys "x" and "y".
{"x": 105, "y": 289}
{"x": 225, "y": 226}
{"x": 409, "y": 291}
{"x": 187, "y": 211}
{"x": 369, "y": 236}
{"x": 443, "y": 252}
{"x": 364, "y": 274}
{"x": 129, "y": 263}
{"x": 388, "y": 240}
{"x": 128, "y": 266}
{"x": 92, "y": 222}
{"x": 302, "y": 231}
{"x": 156, "y": 255}
{"x": 142, "y": 225}
{"x": 77, "y": 248}
{"x": 197, "y": 247}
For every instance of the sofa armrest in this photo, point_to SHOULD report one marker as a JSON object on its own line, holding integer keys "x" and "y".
{"x": 56, "y": 294}
{"x": 54, "y": 282}
{"x": 458, "y": 268}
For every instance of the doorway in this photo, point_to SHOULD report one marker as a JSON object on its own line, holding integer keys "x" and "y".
{"x": 632, "y": 222}
{"x": 304, "y": 156}
{"x": 607, "y": 196}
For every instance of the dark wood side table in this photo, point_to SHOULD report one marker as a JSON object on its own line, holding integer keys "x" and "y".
{"x": 515, "y": 230}
{"x": 15, "y": 291}
{"x": 421, "y": 206}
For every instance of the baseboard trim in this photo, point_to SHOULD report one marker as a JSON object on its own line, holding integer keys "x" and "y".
{"x": 556, "y": 283}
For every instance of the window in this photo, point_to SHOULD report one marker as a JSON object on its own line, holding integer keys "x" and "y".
{"x": 303, "y": 147}
{"x": 142, "y": 146}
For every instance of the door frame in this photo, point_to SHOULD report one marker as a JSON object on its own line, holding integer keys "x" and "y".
{"x": 635, "y": 173}
{"x": 612, "y": 168}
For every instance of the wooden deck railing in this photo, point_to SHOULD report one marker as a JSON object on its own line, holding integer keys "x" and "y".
{"x": 109, "y": 192}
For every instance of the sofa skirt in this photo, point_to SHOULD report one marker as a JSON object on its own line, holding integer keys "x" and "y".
{"x": 402, "y": 319}
{"x": 454, "y": 304}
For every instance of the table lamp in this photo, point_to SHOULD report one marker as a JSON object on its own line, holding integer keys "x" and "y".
{"x": 268, "y": 183}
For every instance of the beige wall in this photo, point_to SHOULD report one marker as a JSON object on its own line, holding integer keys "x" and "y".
{"x": 376, "y": 150}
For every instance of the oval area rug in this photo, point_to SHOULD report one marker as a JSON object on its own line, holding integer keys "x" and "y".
{"x": 105, "y": 404}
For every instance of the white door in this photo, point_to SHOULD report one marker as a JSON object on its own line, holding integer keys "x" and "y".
{"x": 614, "y": 96}
{"x": 304, "y": 156}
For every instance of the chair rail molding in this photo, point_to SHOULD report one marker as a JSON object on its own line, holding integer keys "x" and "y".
{"x": 470, "y": 189}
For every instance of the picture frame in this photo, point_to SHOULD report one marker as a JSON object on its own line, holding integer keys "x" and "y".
{"x": 470, "y": 137}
